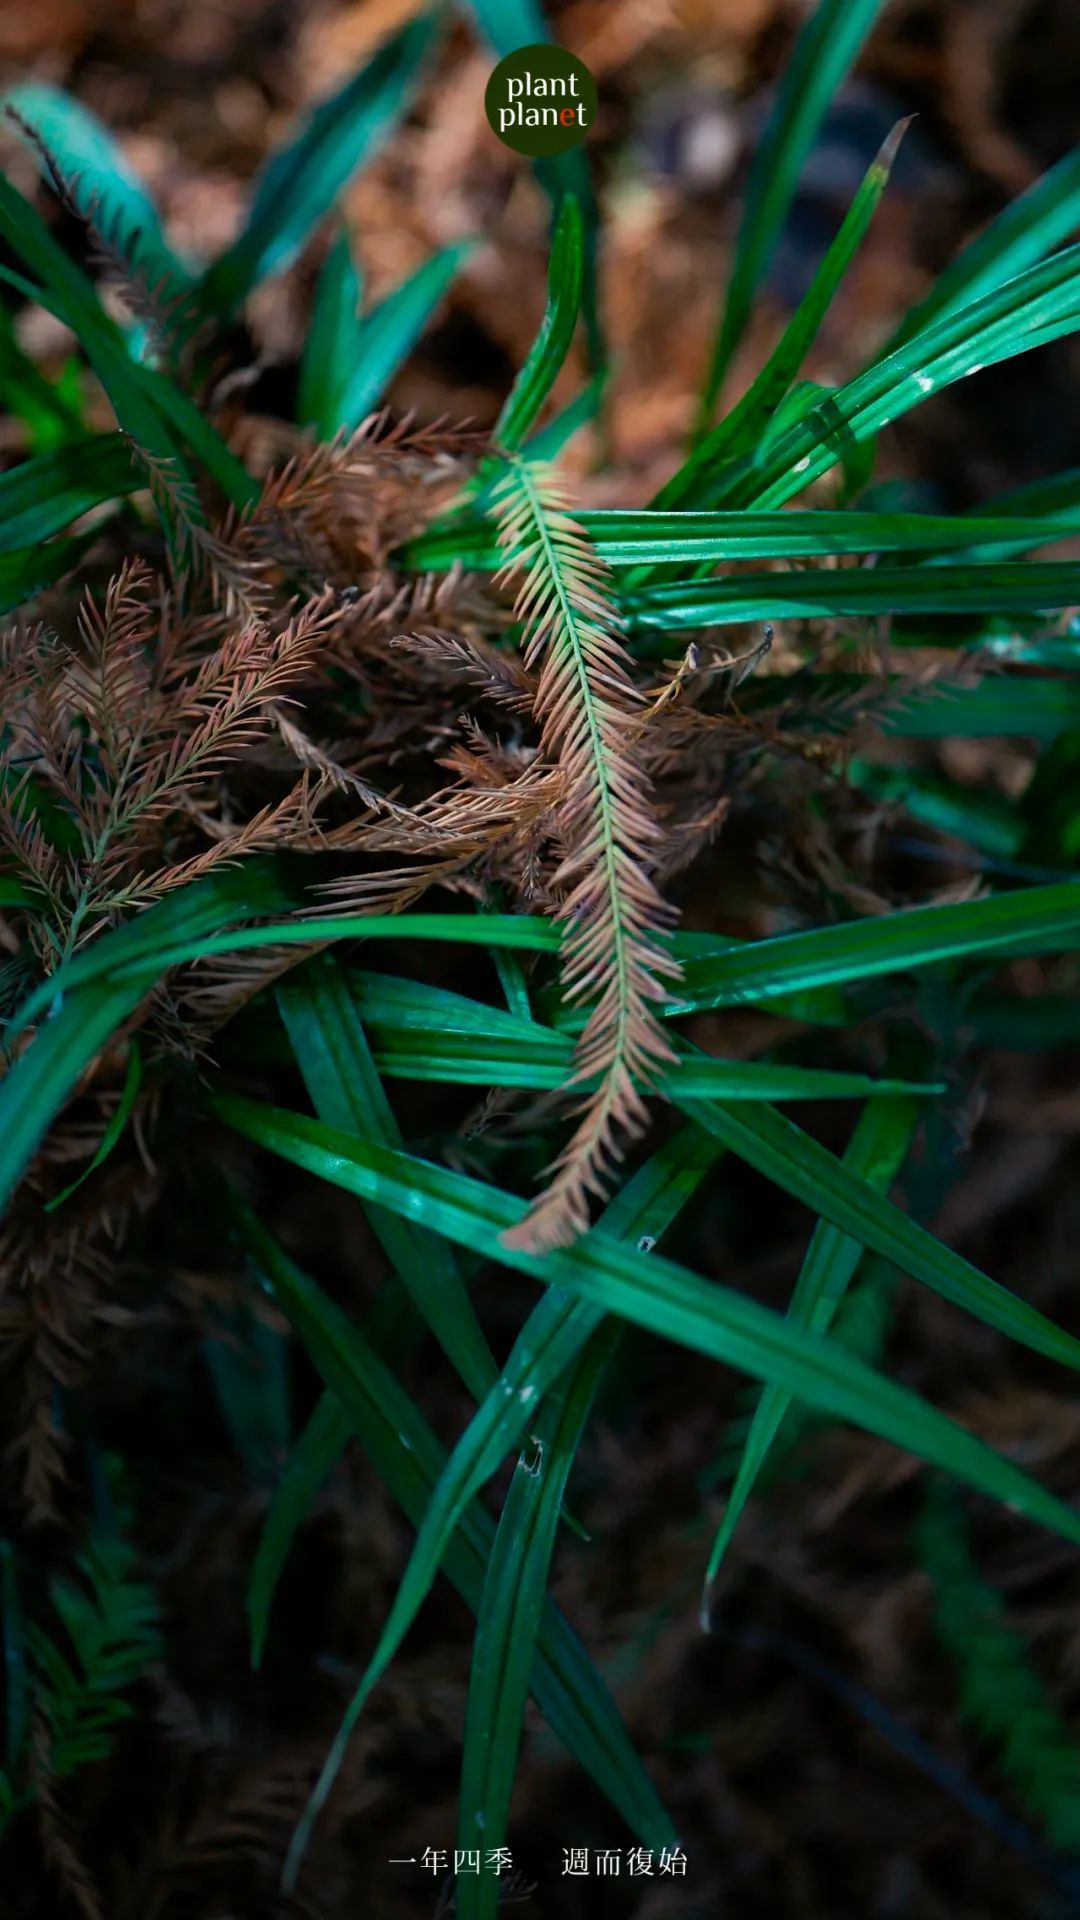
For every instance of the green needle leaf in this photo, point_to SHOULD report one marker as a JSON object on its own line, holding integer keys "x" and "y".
{"x": 876, "y": 1149}
{"x": 301, "y": 180}
{"x": 341, "y": 1077}
{"x": 826, "y": 47}
{"x": 405, "y": 1452}
{"x": 665, "y": 1299}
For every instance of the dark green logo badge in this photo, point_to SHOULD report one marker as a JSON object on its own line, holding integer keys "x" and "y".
{"x": 541, "y": 100}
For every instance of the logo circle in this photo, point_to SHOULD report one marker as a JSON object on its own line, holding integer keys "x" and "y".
{"x": 541, "y": 100}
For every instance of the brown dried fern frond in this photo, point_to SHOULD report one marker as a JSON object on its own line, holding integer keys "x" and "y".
{"x": 235, "y": 576}
{"x": 132, "y": 725}
{"x": 499, "y": 675}
{"x": 342, "y": 506}
{"x": 587, "y": 704}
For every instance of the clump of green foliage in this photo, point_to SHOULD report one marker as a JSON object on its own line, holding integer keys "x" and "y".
{"x": 220, "y": 724}
{"x": 69, "y": 1682}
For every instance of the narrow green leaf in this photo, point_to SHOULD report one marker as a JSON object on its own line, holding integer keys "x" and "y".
{"x": 1029, "y": 227}
{"x": 342, "y": 1080}
{"x": 407, "y": 1455}
{"x": 1004, "y": 705}
{"x": 301, "y": 181}
{"x": 522, "y": 1053}
{"x": 665, "y": 1299}
{"x": 315, "y": 1451}
{"x": 684, "y": 606}
{"x": 508, "y": 1620}
{"x": 1050, "y": 1021}
{"x": 1033, "y": 919}
{"x": 386, "y": 336}
{"x": 545, "y": 357}
{"x": 508, "y": 25}
{"x": 198, "y": 433}
{"x": 737, "y": 432}
{"x": 1039, "y": 305}
{"x": 987, "y": 820}
{"x": 64, "y": 290}
{"x": 166, "y": 941}
{"x": 629, "y": 538}
{"x": 118, "y": 1121}
{"x": 330, "y": 342}
{"x": 36, "y": 1086}
{"x": 552, "y": 1338}
{"x": 826, "y": 47}
{"x": 874, "y": 1154}
{"x": 29, "y": 570}
{"x": 42, "y": 496}
{"x": 778, "y": 1148}
{"x": 122, "y": 967}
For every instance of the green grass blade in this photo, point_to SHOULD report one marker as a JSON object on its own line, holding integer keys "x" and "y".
{"x": 50, "y": 410}
{"x": 874, "y": 1154}
{"x": 677, "y": 1305}
{"x": 685, "y": 606}
{"x": 1039, "y": 305}
{"x": 342, "y": 1080}
{"x": 36, "y": 1086}
{"x": 193, "y": 428}
{"x": 413, "y": 1009}
{"x": 1029, "y": 227}
{"x": 407, "y": 1455}
{"x": 311, "y": 1459}
{"x": 741, "y": 426}
{"x": 548, "y": 442}
{"x": 1004, "y": 705}
{"x": 508, "y": 1620}
{"x": 330, "y": 342}
{"x": 153, "y": 411}
{"x": 29, "y": 570}
{"x": 552, "y": 1338}
{"x": 987, "y": 821}
{"x": 825, "y": 49}
{"x": 437, "y": 1042}
{"x": 1036, "y": 919}
{"x": 386, "y": 336}
{"x": 1055, "y": 498}
{"x": 543, "y": 362}
{"x": 65, "y": 291}
{"x": 118, "y": 1121}
{"x": 301, "y": 181}
{"x": 508, "y": 25}
{"x": 629, "y": 538}
{"x": 1033, "y": 919}
{"x": 44, "y": 495}
{"x": 778, "y": 1148}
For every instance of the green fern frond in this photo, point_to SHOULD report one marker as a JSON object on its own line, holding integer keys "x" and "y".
{"x": 587, "y": 704}
{"x": 1000, "y": 1692}
{"x": 111, "y": 1626}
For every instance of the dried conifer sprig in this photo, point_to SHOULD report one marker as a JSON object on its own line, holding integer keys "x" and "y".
{"x": 132, "y": 727}
{"x": 587, "y": 707}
